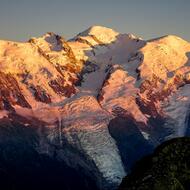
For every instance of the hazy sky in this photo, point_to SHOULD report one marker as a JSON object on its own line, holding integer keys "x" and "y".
{"x": 22, "y": 19}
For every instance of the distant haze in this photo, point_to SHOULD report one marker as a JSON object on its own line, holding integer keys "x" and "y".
{"x": 22, "y": 19}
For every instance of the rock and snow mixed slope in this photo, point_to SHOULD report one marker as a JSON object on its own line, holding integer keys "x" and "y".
{"x": 97, "y": 97}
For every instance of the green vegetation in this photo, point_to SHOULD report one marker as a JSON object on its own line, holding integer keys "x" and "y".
{"x": 168, "y": 168}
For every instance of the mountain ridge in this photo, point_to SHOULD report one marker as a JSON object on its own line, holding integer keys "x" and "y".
{"x": 78, "y": 90}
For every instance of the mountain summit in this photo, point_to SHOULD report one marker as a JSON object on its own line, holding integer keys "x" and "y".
{"x": 97, "y": 102}
{"x": 102, "y": 34}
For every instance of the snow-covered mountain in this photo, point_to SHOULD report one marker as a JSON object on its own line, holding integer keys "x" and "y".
{"x": 99, "y": 101}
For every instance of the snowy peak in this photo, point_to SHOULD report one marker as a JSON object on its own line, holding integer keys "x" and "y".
{"x": 52, "y": 39}
{"x": 100, "y": 34}
{"x": 57, "y": 51}
{"x": 164, "y": 57}
{"x": 168, "y": 38}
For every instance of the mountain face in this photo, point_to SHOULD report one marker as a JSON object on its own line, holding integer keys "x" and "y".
{"x": 98, "y": 102}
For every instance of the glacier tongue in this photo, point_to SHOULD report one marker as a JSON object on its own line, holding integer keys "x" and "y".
{"x": 177, "y": 110}
{"x": 83, "y": 122}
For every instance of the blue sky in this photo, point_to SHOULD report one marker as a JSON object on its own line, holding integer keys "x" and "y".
{"x": 22, "y": 19}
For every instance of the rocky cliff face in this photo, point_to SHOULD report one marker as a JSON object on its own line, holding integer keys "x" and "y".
{"x": 99, "y": 101}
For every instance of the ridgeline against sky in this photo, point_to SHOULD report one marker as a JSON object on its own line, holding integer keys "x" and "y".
{"x": 21, "y": 19}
